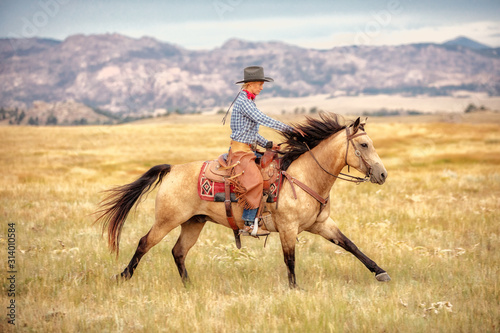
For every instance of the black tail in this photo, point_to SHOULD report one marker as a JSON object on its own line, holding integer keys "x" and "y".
{"x": 115, "y": 207}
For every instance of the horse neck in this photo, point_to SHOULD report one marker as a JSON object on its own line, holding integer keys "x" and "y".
{"x": 330, "y": 153}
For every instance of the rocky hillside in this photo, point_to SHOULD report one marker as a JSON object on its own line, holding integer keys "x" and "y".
{"x": 130, "y": 76}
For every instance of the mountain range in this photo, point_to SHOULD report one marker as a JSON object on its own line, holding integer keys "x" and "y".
{"x": 119, "y": 75}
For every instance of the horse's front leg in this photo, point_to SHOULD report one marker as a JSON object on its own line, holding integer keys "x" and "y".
{"x": 288, "y": 239}
{"x": 331, "y": 232}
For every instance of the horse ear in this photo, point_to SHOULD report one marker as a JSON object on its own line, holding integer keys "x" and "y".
{"x": 363, "y": 124}
{"x": 355, "y": 126}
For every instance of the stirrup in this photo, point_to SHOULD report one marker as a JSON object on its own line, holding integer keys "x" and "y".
{"x": 254, "y": 230}
{"x": 246, "y": 233}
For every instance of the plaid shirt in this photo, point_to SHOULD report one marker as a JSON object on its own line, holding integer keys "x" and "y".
{"x": 245, "y": 121}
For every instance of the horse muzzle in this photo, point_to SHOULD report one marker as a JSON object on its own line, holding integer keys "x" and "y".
{"x": 378, "y": 174}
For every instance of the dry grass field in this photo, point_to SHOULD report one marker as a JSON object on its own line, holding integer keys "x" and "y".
{"x": 434, "y": 226}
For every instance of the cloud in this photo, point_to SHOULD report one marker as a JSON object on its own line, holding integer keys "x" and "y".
{"x": 315, "y": 24}
{"x": 321, "y": 32}
{"x": 480, "y": 31}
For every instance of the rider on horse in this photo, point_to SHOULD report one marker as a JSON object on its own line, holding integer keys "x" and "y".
{"x": 245, "y": 121}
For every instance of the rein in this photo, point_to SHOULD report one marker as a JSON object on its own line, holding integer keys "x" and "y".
{"x": 229, "y": 108}
{"x": 346, "y": 177}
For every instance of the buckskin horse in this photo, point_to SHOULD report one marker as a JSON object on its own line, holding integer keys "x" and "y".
{"x": 315, "y": 160}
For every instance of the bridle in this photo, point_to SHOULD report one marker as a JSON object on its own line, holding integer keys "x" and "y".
{"x": 356, "y": 151}
{"x": 349, "y": 178}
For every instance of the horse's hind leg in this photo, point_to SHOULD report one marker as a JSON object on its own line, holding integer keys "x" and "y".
{"x": 331, "y": 232}
{"x": 153, "y": 237}
{"x": 190, "y": 231}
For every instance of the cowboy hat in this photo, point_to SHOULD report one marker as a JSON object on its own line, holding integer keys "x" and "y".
{"x": 254, "y": 73}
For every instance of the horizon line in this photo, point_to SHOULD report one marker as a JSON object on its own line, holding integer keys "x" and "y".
{"x": 20, "y": 38}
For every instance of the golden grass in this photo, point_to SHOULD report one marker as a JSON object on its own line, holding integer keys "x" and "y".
{"x": 433, "y": 226}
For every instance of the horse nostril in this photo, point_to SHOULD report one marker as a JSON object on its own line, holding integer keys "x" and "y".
{"x": 382, "y": 175}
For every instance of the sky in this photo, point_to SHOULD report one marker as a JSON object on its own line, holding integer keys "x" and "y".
{"x": 207, "y": 24}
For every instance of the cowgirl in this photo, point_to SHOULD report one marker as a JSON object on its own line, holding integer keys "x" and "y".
{"x": 245, "y": 121}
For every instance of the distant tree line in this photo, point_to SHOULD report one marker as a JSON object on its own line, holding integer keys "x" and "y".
{"x": 15, "y": 117}
{"x": 473, "y": 108}
{"x": 387, "y": 113}
{"x": 303, "y": 110}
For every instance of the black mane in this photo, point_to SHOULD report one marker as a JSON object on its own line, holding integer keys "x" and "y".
{"x": 316, "y": 130}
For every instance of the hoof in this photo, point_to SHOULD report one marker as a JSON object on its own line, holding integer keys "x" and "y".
{"x": 383, "y": 277}
{"x": 119, "y": 278}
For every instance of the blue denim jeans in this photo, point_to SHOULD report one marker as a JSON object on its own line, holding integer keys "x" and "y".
{"x": 249, "y": 215}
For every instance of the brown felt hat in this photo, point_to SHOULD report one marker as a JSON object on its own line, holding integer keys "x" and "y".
{"x": 254, "y": 73}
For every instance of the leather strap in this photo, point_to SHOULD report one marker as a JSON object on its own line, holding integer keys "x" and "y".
{"x": 349, "y": 140}
{"x": 229, "y": 213}
{"x": 306, "y": 189}
{"x": 262, "y": 204}
{"x": 227, "y": 204}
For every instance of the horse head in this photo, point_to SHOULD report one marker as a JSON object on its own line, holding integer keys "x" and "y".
{"x": 361, "y": 153}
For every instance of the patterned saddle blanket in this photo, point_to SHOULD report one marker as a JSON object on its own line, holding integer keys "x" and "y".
{"x": 213, "y": 174}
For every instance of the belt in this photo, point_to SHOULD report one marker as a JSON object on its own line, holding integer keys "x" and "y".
{"x": 240, "y": 146}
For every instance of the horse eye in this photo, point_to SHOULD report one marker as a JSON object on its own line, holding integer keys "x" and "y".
{"x": 364, "y": 145}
